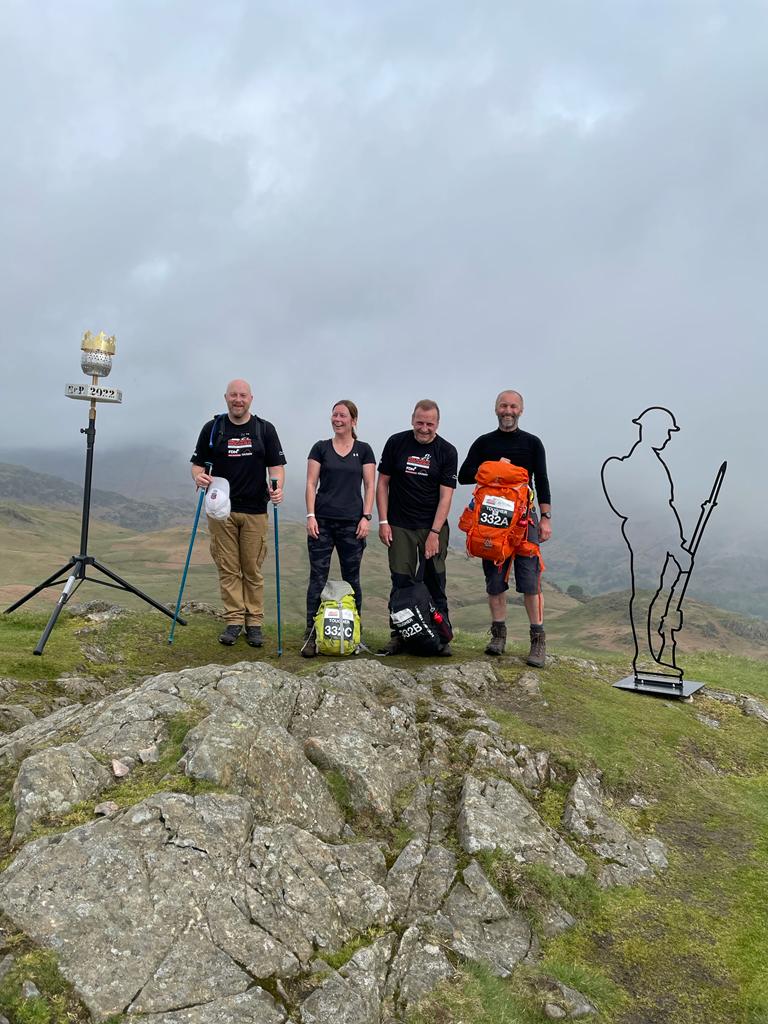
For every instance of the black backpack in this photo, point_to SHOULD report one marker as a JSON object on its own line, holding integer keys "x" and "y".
{"x": 415, "y": 620}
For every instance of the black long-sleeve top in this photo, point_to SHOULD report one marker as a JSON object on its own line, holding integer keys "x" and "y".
{"x": 520, "y": 447}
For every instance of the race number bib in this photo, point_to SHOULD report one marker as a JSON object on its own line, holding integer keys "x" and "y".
{"x": 496, "y": 511}
{"x": 338, "y": 625}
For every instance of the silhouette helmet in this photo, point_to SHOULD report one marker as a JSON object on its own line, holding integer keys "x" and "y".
{"x": 657, "y": 417}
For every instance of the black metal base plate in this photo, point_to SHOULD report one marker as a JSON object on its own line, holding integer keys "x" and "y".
{"x": 658, "y": 685}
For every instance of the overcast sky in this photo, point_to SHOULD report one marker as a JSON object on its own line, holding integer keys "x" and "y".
{"x": 388, "y": 201}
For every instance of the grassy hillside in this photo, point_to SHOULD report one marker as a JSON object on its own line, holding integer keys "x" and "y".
{"x": 38, "y": 540}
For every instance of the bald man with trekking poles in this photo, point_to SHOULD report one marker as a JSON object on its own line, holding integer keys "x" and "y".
{"x": 509, "y": 444}
{"x": 244, "y": 450}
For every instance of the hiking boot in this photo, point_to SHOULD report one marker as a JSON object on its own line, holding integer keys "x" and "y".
{"x": 308, "y": 647}
{"x": 537, "y": 655}
{"x": 253, "y": 636}
{"x": 394, "y": 646}
{"x": 498, "y": 640}
{"x": 230, "y": 634}
{"x": 445, "y": 651}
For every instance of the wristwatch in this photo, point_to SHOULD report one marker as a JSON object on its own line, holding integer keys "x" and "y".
{"x": 545, "y": 515}
{"x": 368, "y": 516}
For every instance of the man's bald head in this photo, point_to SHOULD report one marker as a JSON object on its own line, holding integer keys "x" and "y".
{"x": 238, "y": 397}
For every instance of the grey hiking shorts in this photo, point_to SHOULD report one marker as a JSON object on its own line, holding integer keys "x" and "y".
{"x": 527, "y": 569}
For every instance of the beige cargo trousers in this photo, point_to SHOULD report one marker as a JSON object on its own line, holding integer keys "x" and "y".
{"x": 239, "y": 547}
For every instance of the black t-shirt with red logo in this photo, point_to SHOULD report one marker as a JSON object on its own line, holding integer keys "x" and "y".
{"x": 416, "y": 473}
{"x": 241, "y": 454}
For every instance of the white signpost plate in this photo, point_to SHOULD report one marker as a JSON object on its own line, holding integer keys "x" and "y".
{"x": 93, "y": 393}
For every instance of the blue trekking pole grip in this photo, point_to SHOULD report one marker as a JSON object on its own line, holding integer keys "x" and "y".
{"x": 273, "y": 483}
{"x": 177, "y": 609}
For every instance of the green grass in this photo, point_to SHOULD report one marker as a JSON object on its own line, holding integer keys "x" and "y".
{"x": 56, "y": 1004}
{"x": 475, "y": 996}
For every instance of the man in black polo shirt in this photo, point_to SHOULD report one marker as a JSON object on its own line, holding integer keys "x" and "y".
{"x": 417, "y": 478}
{"x": 510, "y": 444}
{"x": 244, "y": 449}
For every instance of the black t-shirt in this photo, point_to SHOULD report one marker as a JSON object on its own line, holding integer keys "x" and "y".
{"x": 520, "y": 447}
{"x": 241, "y": 454}
{"x": 416, "y": 473}
{"x": 338, "y": 492}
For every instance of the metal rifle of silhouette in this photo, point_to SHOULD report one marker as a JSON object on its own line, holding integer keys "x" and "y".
{"x": 707, "y": 508}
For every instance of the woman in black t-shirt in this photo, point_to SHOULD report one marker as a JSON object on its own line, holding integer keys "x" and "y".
{"x": 338, "y": 516}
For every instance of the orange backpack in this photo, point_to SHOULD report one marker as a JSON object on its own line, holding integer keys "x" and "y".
{"x": 496, "y": 519}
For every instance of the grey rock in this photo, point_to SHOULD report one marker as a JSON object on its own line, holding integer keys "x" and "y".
{"x": 97, "y": 611}
{"x": 312, "y": 896}
{"x": 417, "y": 968}
{"x": 81, "y": 686}
{"x": 517, "y": 763}
{"x": 6, "y": 964}
{"x": 755, "y": 708}
{"x": 639, "y": 801}
{"x": 476, "y": 923}
{"x": 530, "y": 684}
{"x": 4, "y": 1020}
{"x": 106, "y": 809}
{"x": 98, "y": 656}
{"x": 419, "y": 879}
{"x": 494, "y": 816}
{"x": 477, "y": 677}
{"x": 15, "y": 747}
{"x": 722, "y": 696}
{"x": 7, "y": 685}
{"x": 29, "y": 990}
{"x": 376, "y": 750}
{"x": 120, "y": 895}
{"x": 51, "y": 782}
{"x": 120, "y": 769}
{"x": 630, "y": 859}
{"x": 555, "y": 920}
{"x": 149, "y": 756}
{"x": 567, "y": 1001}
{"x": 711, "y": 723}
{"x": 554, "y": 1012}
{"x": 265, "y": 765}
{"x": 195, "y": 967}
{"x": 252, "y": 1007}
{"x": 13, "y": 716}
{"x": 354, "y": 994}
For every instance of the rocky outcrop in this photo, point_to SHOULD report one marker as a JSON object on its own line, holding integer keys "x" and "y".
{"x": 494, "y": 816}
{"x": 343, "y": 798}
{"x": 629, "y": 859}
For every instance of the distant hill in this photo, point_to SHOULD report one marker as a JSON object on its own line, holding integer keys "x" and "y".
{"x": 21, "y": 485}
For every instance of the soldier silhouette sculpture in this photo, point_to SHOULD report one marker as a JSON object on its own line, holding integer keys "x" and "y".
{"x": 638, "y": 486}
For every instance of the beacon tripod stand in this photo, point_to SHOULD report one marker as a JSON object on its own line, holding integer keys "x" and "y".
{"x": 76, "y": 568}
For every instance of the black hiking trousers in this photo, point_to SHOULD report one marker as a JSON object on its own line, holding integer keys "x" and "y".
{"x": 338, "y": 534}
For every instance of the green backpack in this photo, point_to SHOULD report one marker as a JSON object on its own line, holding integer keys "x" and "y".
{"x": 337, "y": 622}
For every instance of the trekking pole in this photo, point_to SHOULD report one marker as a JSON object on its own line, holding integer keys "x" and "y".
{"x": 177, "y": 609}
{"x": 273, "y": 482}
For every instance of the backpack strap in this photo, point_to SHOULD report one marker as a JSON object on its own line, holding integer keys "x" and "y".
{"x": 217, "y": 430}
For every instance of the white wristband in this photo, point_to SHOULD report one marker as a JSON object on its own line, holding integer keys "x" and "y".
{"x": 383, "y": 522}
{"x": 311, "y": 515}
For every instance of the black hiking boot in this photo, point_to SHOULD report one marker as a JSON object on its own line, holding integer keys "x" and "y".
{"x": 230, "y": 634}
{"x": 537, "y": 655}
{"x": 308, "y": 647}
{"x": 253, "y": 636}
{"x": 498, "y": 640}
{"x": 394, "y": 646}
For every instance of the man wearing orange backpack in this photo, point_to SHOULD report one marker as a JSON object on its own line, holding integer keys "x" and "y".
{"x": 509, "y": 444}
